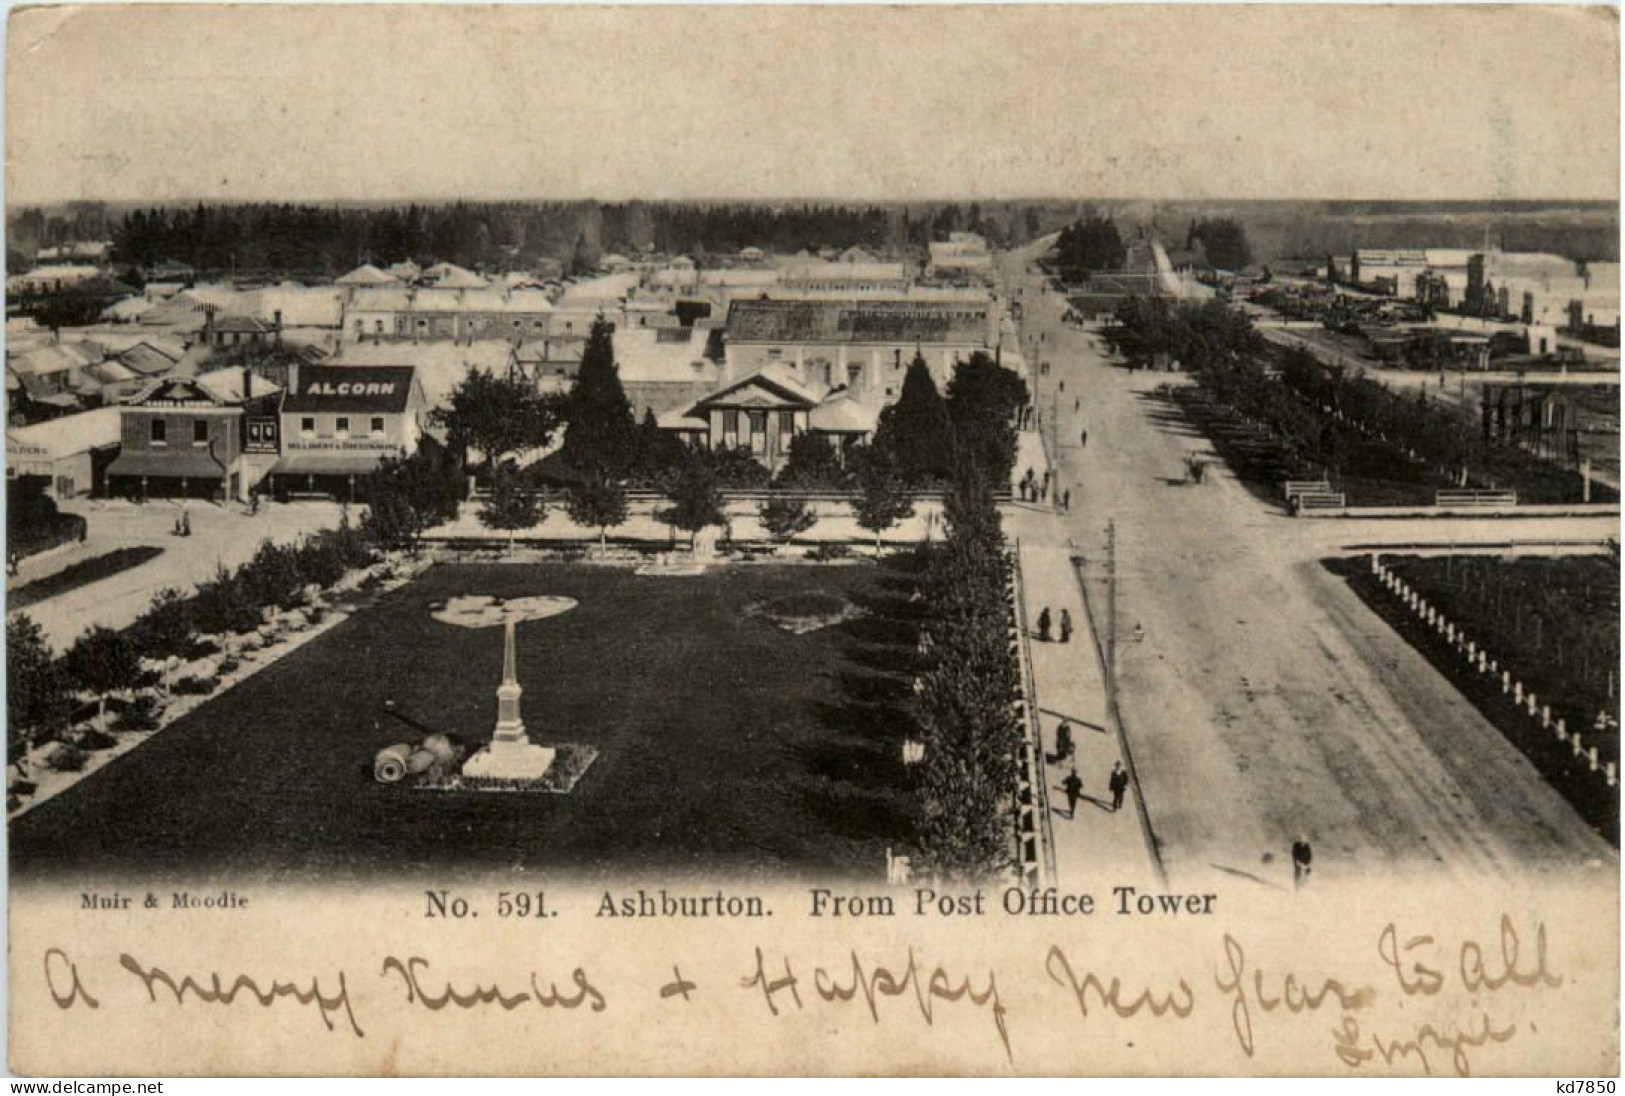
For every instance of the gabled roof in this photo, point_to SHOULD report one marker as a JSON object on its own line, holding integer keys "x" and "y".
{"x": 373, "y": 388}
{"x": 68, "y": 434}
{"x": 774, "y": 382}
{"x": 176, "y": 392}
{"x": 366, "y": 274}
{"x": 842, "y": 413}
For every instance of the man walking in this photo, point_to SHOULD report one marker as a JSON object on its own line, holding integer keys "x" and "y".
{"x": 1066, "y": 626}
{"x": 1118, "y": 783}
{"x": 1066, "y": 500}
{"x": 1083, "y": 439}
{"x": 1043, "y": 625}
{"x": 1302, "y": 855}
{"x": 1073, "y": 787}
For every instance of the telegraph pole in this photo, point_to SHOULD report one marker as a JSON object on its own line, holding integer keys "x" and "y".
{"x": 1111, "y": 612}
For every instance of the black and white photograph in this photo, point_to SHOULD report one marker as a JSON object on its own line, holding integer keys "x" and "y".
{"x": 1100, "y": 483}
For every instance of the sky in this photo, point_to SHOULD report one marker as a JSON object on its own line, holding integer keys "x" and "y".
{"x": 165, "y": 103}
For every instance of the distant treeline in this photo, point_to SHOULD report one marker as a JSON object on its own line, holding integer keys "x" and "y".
{"x": 328, "y": 240}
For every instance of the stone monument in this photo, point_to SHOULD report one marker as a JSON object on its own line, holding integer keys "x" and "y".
{"x": 511, "y": 754}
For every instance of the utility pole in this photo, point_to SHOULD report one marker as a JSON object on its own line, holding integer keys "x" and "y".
{"x": 1111, "y": 613}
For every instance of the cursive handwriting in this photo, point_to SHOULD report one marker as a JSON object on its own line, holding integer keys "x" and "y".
{"x": 410, "y": 970}
{"x": 214, "y": 992}
{"x": 878, "y": 981}
{"x": 1180, "y": 1002}
{"x": 1348, "y": 1042}
{"x": 1294, "y": 996}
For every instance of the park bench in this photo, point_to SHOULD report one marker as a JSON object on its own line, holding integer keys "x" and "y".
{"x": 1475, "y": 498}
{"x": 1299, "y": 487}
{"x": 1305, "y": 501}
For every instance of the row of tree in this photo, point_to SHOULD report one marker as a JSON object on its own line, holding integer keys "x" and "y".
{"x": 43, "y": 690}
{"x": 965, "y": 700}
{"x": 328, "y": 240}
{"x": 1091, "y": 245}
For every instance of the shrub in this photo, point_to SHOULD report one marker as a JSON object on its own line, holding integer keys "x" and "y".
{"x": 229, "y": 664}
{"x": 67, "y": 758}
{"x": 224, "y": 604}
{"x": 139, "y": 716}
{"x": 823, "y": 553}
{"x": 322, "y": 560}
{"x": 196, "y": 686}
{"x": 96, "y": 740}
{"x": 274, "y": 576}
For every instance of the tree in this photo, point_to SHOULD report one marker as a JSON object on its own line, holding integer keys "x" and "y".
{"x": 408, "y": 495}
{"x": 1091, "y": 245}
{"x": 983, "y": 399}
{"x": 600, "y": 435}
{"x": 1224, "y": 241}
{"x": 511, "y": 506}
{"x": 597, "y": 502}
{"x": 37, "y": 699}
{"x": 915, "y": 430}
{"x": 166, "y": 628}
{"x": 499, "y": 416}
{"x": 696, "y": 499}
{"x": 812, "y": 463}
{"x": 103, "y": 661}
{"x": 883, "y": 498}
{"x": 786, "y": 518}
{"x": 273, "y": 576}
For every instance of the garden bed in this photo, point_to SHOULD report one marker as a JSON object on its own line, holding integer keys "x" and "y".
{"x": 80, "y": 574}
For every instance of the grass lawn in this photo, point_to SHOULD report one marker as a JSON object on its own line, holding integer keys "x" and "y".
{"x": 727, "y": 746}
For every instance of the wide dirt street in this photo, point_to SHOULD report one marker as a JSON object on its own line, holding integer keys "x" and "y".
{"x": 1264, "y": 700}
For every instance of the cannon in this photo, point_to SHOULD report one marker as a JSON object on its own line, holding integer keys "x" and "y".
{"x": 438, "y": 754}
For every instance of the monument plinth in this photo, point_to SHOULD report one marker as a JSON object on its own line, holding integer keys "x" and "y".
{"x": 511, "y": 754}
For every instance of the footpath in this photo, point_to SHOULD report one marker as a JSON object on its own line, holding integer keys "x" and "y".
{"x": 1097, "y": 846}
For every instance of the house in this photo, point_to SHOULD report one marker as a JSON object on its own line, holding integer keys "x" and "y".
{"x": 180, "y": 439}
{"x": 452, "y": 276}
{"x": 761, "y": 413}
{"x": 963, "y": 256}
{"x": 226, "y": 331}
{"x": 72, "y": 452}
{"x": 338, "y": 423}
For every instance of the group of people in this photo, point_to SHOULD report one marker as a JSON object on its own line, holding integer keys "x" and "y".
{"x": 183, "y": 525}
{"x": 1044, "y": 624}
{"x": 1116, "y": 783}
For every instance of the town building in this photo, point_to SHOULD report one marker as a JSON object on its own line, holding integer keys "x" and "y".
{"x": 338, "y": 423}
{"x": 179, "y": 438}
{"x": 864, "y": 345}
{"x": 71, "y": 453}
{"x": 459, "y": 315}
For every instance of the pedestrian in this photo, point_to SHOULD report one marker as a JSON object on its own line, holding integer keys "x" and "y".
{"x": 1043, "y": 625}
{"x": 1302, "y": 855}
{"x": 1083, "y": 439}
{"x": 1046, "y": 481}
{"x": 1066, "y": 500}
{"x": 1029, "y": 478}
{"x": 1063, "y": 386}
{"x": 1073, "y": 786}
{"x": 1118, "y": 783}
{"x": 1077, "y": 404}
{"x": 1066, "y": 626}
{"x": 1064, "y": 746}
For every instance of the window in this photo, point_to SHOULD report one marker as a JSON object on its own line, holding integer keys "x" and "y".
{"x": 730, "y": 422}
{"x": 378, "y": 327}
{"x": 360, "y": 327}
{"x": 307, "y": 427}
{"x": 200, "y": 432}
{"x": 378, "y": 424}
{"x": 342, "y": 425}
{"x": 160, "y": 430}
{"x": 774, "y": 353}
{"x": 758, "y": 422}
{"x": 787, "y": 422}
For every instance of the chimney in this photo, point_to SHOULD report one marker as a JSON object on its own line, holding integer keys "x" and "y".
{"x": 208, "y": 325}
{"x": 277, "y": 321}
{"x": 248, "y": 384}
{"x": 293, "y": 377}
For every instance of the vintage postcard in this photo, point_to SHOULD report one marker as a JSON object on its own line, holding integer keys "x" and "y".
{"x": 1065, "y": 540}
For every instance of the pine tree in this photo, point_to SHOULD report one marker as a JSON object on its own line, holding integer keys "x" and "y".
{"x": 786, "y": 518}
{"x": 883, "y": 498}
{"x": 600, "y": 435}
{"x": 103, "y": 661}
{"x": 37, "y": 700}
{"x": 915, "y": 430}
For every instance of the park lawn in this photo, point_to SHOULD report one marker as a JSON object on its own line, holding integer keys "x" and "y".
{"x": 726, "y": 745}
